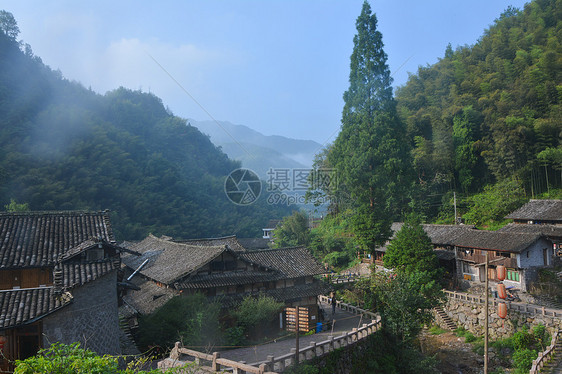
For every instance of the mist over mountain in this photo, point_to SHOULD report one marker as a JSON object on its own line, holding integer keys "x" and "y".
{"x": 257, "y": 151}
{"x": 65, "y": 147}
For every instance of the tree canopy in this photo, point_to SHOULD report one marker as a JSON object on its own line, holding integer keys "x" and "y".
{"x": 370, "y": 154}
{"x": 411, "y": 250}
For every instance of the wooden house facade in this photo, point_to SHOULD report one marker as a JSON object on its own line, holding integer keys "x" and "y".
{"x": 222, "y": 271}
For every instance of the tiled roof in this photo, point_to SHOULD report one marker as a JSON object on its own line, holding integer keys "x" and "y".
{"x": 493, "y": 240}
{"x": 18, "y": 307}
{"x": 537, "y": 210}
{"x": 231, "y": 278}
{"x": 150, "y": 297}
{"x": 77, "y": 274}
{"x": 446, "y": 234}
{"x": 230, "y": 241}
{"x": 169, "y": 261}
{"x": 30, "y": 239}
{"x": 254, "y": 243}
{"x": 552, "y": 231}
{"x": 291, "y": 262}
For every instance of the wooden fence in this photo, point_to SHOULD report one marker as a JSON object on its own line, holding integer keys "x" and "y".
{"x": 545, "y": 356}
{"x": 214, "y": 363}
{"x": 516, "y": 306}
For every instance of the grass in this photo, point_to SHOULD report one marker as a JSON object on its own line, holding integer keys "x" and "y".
{"x": 467, "y": 335}
{"x": 436, "y": 330}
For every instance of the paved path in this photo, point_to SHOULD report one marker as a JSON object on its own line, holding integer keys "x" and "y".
{"x": 344, "y": 321}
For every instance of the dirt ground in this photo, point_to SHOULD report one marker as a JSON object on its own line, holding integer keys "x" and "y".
{"x": 454, "y": 355}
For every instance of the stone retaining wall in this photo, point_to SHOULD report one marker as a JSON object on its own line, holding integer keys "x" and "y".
{"x": 470, "y": 315}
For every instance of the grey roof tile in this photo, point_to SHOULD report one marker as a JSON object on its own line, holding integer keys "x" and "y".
{"x": 537, "y": 210}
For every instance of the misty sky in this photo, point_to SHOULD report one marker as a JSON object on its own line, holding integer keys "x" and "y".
{"x": 279, "y": 67}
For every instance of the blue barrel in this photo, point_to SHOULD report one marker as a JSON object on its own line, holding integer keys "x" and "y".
{"x": 318, "y": 327}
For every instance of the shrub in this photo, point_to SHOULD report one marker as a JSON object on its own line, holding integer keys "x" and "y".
{"x": 523, "y": 359}
{"x": 67, "y": 359}
{"x": 256, "y": 315}
{"x": 522, "y": 339}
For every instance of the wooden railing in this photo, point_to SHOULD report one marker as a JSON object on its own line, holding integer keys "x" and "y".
{"x": 516, "y": 306}
{"x": 214, "y": 363}
{"x": 545, "y": 356}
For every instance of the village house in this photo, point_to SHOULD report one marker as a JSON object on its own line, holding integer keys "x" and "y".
{"x": 521, "y": 253}
{"x": 58, "y": 282}
{"x": 538, "y": 212}
{"x": 541, "y": 217}
{"x": 222, "y": 269}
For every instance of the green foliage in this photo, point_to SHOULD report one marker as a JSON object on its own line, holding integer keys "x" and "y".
{"x": 494, "y": 203}
{"x": 8, "y": 25}
{"x": 257, "y": 315}
{"x": 61, "y": 359}
{"x": 71, "y": 359}
{"x": 436, "y": 330}
{"x": 292, "y": 231}
{"x": 490, "y": 111}
{"x": 371, "y": 152}
{"x": 467, "y": 335}
{"x": 411, "y": 251}
{"x": 189, "y": 319}
{"x": 15, "y": 207}
{"x": 523, "y": 359}
{"x": 523, "y": 339}
{"x": 405, "y": 301}
{"x": 332, "y": 241}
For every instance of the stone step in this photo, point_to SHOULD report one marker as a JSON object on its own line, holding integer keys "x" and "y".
{"x": 449, "y": 324}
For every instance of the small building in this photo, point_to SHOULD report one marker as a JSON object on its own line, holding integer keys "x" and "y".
{"x": 58, "y": 282}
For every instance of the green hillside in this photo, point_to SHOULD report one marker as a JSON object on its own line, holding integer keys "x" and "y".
{"x": 66, "y": 147}
{"x": 490, "y": 113}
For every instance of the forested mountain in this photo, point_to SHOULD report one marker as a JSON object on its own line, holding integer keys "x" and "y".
{"x": 257, "y": 151}
{"x": 66, "y": 147}
{"x": 490, "y": 112}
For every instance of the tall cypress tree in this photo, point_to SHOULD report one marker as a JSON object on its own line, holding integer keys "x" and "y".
{"x": 371, "y": 152}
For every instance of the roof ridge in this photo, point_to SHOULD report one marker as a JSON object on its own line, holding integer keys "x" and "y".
{"x": 55, "y": 213}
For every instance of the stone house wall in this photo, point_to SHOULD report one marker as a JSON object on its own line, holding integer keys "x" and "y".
{"x": 534, "y": 255}
{"x": 91, "y": 319}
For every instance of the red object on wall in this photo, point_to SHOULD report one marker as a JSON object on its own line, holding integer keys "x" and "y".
{"x": 3, "y": 341}
{"x": 502, "y": 310}
{"x": 501, "y": 272}
{"x": 502, "y": 294}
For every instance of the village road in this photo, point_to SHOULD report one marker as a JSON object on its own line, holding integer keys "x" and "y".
{"x": 344, "y": 322}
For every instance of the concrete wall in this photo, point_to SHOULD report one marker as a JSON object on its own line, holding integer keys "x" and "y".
{"x": 92, "y": 318}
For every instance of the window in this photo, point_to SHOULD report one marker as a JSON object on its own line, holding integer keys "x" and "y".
{"x": 512, "y": 275}
{"x": 466, "y": 268}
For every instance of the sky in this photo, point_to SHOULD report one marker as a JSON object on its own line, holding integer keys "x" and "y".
{"x": 277, "y": 66}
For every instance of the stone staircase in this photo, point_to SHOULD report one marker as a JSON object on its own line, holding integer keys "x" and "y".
{"x": 554, "y": 366}
{"x": 444, "y": 320}
{"x": 126, "y": 340}
{"x": 550, "y": 302}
